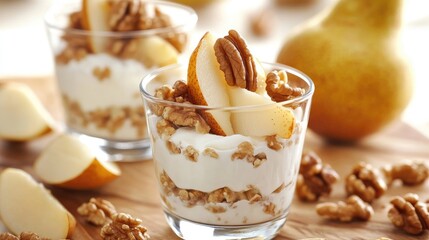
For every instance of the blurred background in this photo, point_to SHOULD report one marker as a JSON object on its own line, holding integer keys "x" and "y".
{"x": 24, "y": 48}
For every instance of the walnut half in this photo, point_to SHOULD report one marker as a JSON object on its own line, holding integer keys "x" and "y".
{"x": 278, "y": 88}
{"x": 366, "y": 182}
{"x": 409, "y": 214}
{"x": 352, "y": 209}
{"x": 409, "y": 173}
{"x": 315, "y": 178}
{"x": 236, "y": 61}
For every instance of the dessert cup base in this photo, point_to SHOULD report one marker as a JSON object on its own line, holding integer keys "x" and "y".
{"x": 117, "y": 151}
{"x": 190, "y": 230}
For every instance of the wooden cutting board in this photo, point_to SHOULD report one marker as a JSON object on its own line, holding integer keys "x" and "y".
{"x": 135, "y": 192}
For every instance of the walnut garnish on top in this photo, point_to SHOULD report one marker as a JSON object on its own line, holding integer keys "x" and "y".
{"x": 178, "y": 116}
{"x": 352, "y": 209}
{"x": 236, "y": 61}
{"x": 124, "y": 227}
{"x": 409, "y": 173}
{"x": 278, "y": 88}
{"x": 409, "y": 214}
{"x": 315, "y": 178}
{"x": 97, "y": 211}
{"x": 366, "y": 182}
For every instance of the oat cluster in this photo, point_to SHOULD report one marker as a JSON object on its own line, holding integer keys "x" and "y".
{"x": 315, "y": 179}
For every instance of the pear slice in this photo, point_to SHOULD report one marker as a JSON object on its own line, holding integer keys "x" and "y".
{"x": 154, "y": 51}
{"x": 27, "y": 206}
{"x": 22, "y": 115}
{"x": 267, "y": 120}
{"x": 67, "y": 162}
{"x": 207, "y": 85}
{"x": 95, "y": 17}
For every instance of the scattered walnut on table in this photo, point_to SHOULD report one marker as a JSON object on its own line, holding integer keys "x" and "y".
{"x": 124, "y": 226}
{"x": 8, "y": 236}
{"x": 97, "y": 211}
{"x": 409, "y": 214}
{"x": 278, "y": 88}
{"x": 22, "y": 236}
{"x": 409, "y": 173}
{"x": 366, "y": 182}
{"x": 352, "y": 209}
{"x": 315, "y": 178}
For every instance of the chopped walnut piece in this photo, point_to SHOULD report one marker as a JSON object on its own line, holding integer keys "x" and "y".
{"x": 101, "y": 73}
{"x": 273, "y": 143}
{"x": 191, "y": 153}
{"x": 410, "y": 173}
{"x": 97, "y": 211}
{"x": 165, "y": 128}
{"x": 245, "y": 151}
{"x": 409, "y": 214}
{"x": 270, "y": 208}
{"x": 124, "y": 226}
{"x": 278, "y": 88}
{"x": 236, "y": 61}
{"x": 179, "y": 116}
{"x": 315, "y": 178}
{"x": 210, "y": 152}
{"x": 365, "y": 182}
{"x": 352, "y": 209}
{"x": 173, "y": 148}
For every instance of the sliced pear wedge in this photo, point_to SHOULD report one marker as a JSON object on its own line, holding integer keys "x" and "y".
{"x": 67, "y": 162}
{"x": 22, "y": 115}
{"x": 27, "y": 206}
{"x": 268, "y": 120}
{"x": 207, "y": 85}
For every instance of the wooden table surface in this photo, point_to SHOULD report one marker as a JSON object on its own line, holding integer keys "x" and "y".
{"x": 135, "y": 192}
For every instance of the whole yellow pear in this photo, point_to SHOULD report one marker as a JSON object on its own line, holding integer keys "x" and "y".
{"x": 351, "y": 53}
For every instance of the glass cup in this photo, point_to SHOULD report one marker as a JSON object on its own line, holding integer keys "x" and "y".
{"x": 98, "y": 72}
{"x": 238, "y": 186}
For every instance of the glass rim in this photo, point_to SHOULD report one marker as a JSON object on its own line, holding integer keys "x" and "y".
{"x": 186, "y": 25}
{"x": 305, "y": 97}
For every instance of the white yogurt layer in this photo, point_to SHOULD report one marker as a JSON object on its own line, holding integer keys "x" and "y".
{"x": 77, "y": 81}
{"x": 208, "y": 174}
